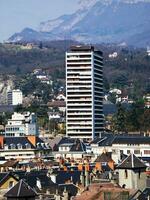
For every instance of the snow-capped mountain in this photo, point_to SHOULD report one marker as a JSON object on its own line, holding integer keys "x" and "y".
{"x": 98, "y": 21}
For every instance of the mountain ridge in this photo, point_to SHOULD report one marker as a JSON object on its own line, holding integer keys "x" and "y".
{"x": 109, "y": 21}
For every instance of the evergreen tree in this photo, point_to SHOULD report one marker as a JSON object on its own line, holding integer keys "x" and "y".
{"x": 119, "y": 119}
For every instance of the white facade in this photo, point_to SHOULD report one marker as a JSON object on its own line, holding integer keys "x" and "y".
{"x": 21, "y": 124}
{"x": 53, "y": 116}
{"x": 84, "y": 92}
{"x": 113, "y": 55}
{"x": 18, "y": 154}
{"x": 132, "y": 179}
{"x": 14, "y": 97}
{"x": 148, "y": 51}
{"x": 61, "y": 97}
{"x": 140, "y": 150}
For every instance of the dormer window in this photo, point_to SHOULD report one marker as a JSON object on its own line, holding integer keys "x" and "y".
{"x": 38, "y": 145}
{"x": 19, "y": 146}
{"x": 28, "y": 146}
{"x": 43, "y": 145}
{"x": 12, "y": 146}
{"x": 47, "y": 145}
{"x": 5, "y": 146}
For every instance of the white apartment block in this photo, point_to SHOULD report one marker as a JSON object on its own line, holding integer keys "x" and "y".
{"x": 84, "y": 92}
{"x": 14, "y": 97}
{"x": 21, "y": 125}
{"x": 120, "y": 145}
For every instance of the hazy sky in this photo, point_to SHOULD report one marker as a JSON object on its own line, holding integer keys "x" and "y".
{"x": 18, "y": 14}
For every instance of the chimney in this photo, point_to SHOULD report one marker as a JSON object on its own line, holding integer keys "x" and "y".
{"x": 1, "y": 141}
{"x": 65, "y": 168}
{"x": 47, "y": 192}
{"x": 32, "y": 139}
{"x": 80, "y": 167}
{"x": 87, "y": 167}
{"x": 57, "y": 196}
{"x": 87, "y": 178}
{"x": 82, "y": 178}
{"x": 65, "y": 194}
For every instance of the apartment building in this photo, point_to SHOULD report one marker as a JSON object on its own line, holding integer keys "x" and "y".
{"x": 84, "y": 92}
{"x": 14, "y": 97}
{"x": 21, "y": 124}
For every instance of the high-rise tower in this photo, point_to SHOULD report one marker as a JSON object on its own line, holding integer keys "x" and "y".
{"x": 84, "y": 92}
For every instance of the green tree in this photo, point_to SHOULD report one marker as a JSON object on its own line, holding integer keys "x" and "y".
{"x": 112, "y": 97}
{"x": 135, "y": 116}
{"x": 119, "y": 119}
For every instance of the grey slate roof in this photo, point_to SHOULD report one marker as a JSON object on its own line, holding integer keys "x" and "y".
{"x": 109, "y": 139}
{"x": 61, "y": 177}
{"x": 141, "y": 195}
{"x": 144, "y": 195}
{"x": 23, "y": 141}
{"x": 131, "y": 140}
{"x": 21, "y": 190}
{"x": 104, "y": 157}
{"x": 4, "y": 176}
{"x": 31, "y": 178}
{"x": 131, "y": 162}
{"x": 105, "y": 140}
{"x": 76, "y": 145}
{"x": 17, "y": 140}
{"x": 70, "y": 188}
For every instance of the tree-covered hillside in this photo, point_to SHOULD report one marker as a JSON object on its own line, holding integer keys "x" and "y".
{"x": 130, "y": 70}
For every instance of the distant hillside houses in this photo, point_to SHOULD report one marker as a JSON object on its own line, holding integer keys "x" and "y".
{"x": 61, "y": 97}
{"x": 60, "y": 105}
{"x": 147, "y": 100}
{"x": 121, "y": 96}
{"x": 113, "y": 55}
{"x": 42, "y": 76}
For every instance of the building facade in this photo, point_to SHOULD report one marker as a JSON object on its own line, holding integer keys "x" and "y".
{"x": 21, "y": 124}
{"x": 84, "y": 92}
{"x": 27, "y": 147}
{"x": 120, "y": 145}
{"x": 14, "y": 97}
{"x": 132, "y": 173}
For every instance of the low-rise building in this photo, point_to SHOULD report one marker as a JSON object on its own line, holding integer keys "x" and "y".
{"x": 120, "y": 145}
{"x": 69, "y": 148}
{"x": 132, "y": 173}
{"x": 61, "y": 105}
{"x": 113, "y": 55}
{"x": 23, "y": 147}
{"x": 61, "y": 97}
{"x": 42, "y": 76}
{"x": 21, "y": 191}
{"x": 54, "y": 115}
{"x": 7, "y": 180}
{"x": 21, "y": 124}
{"x": 147, "y": 100}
